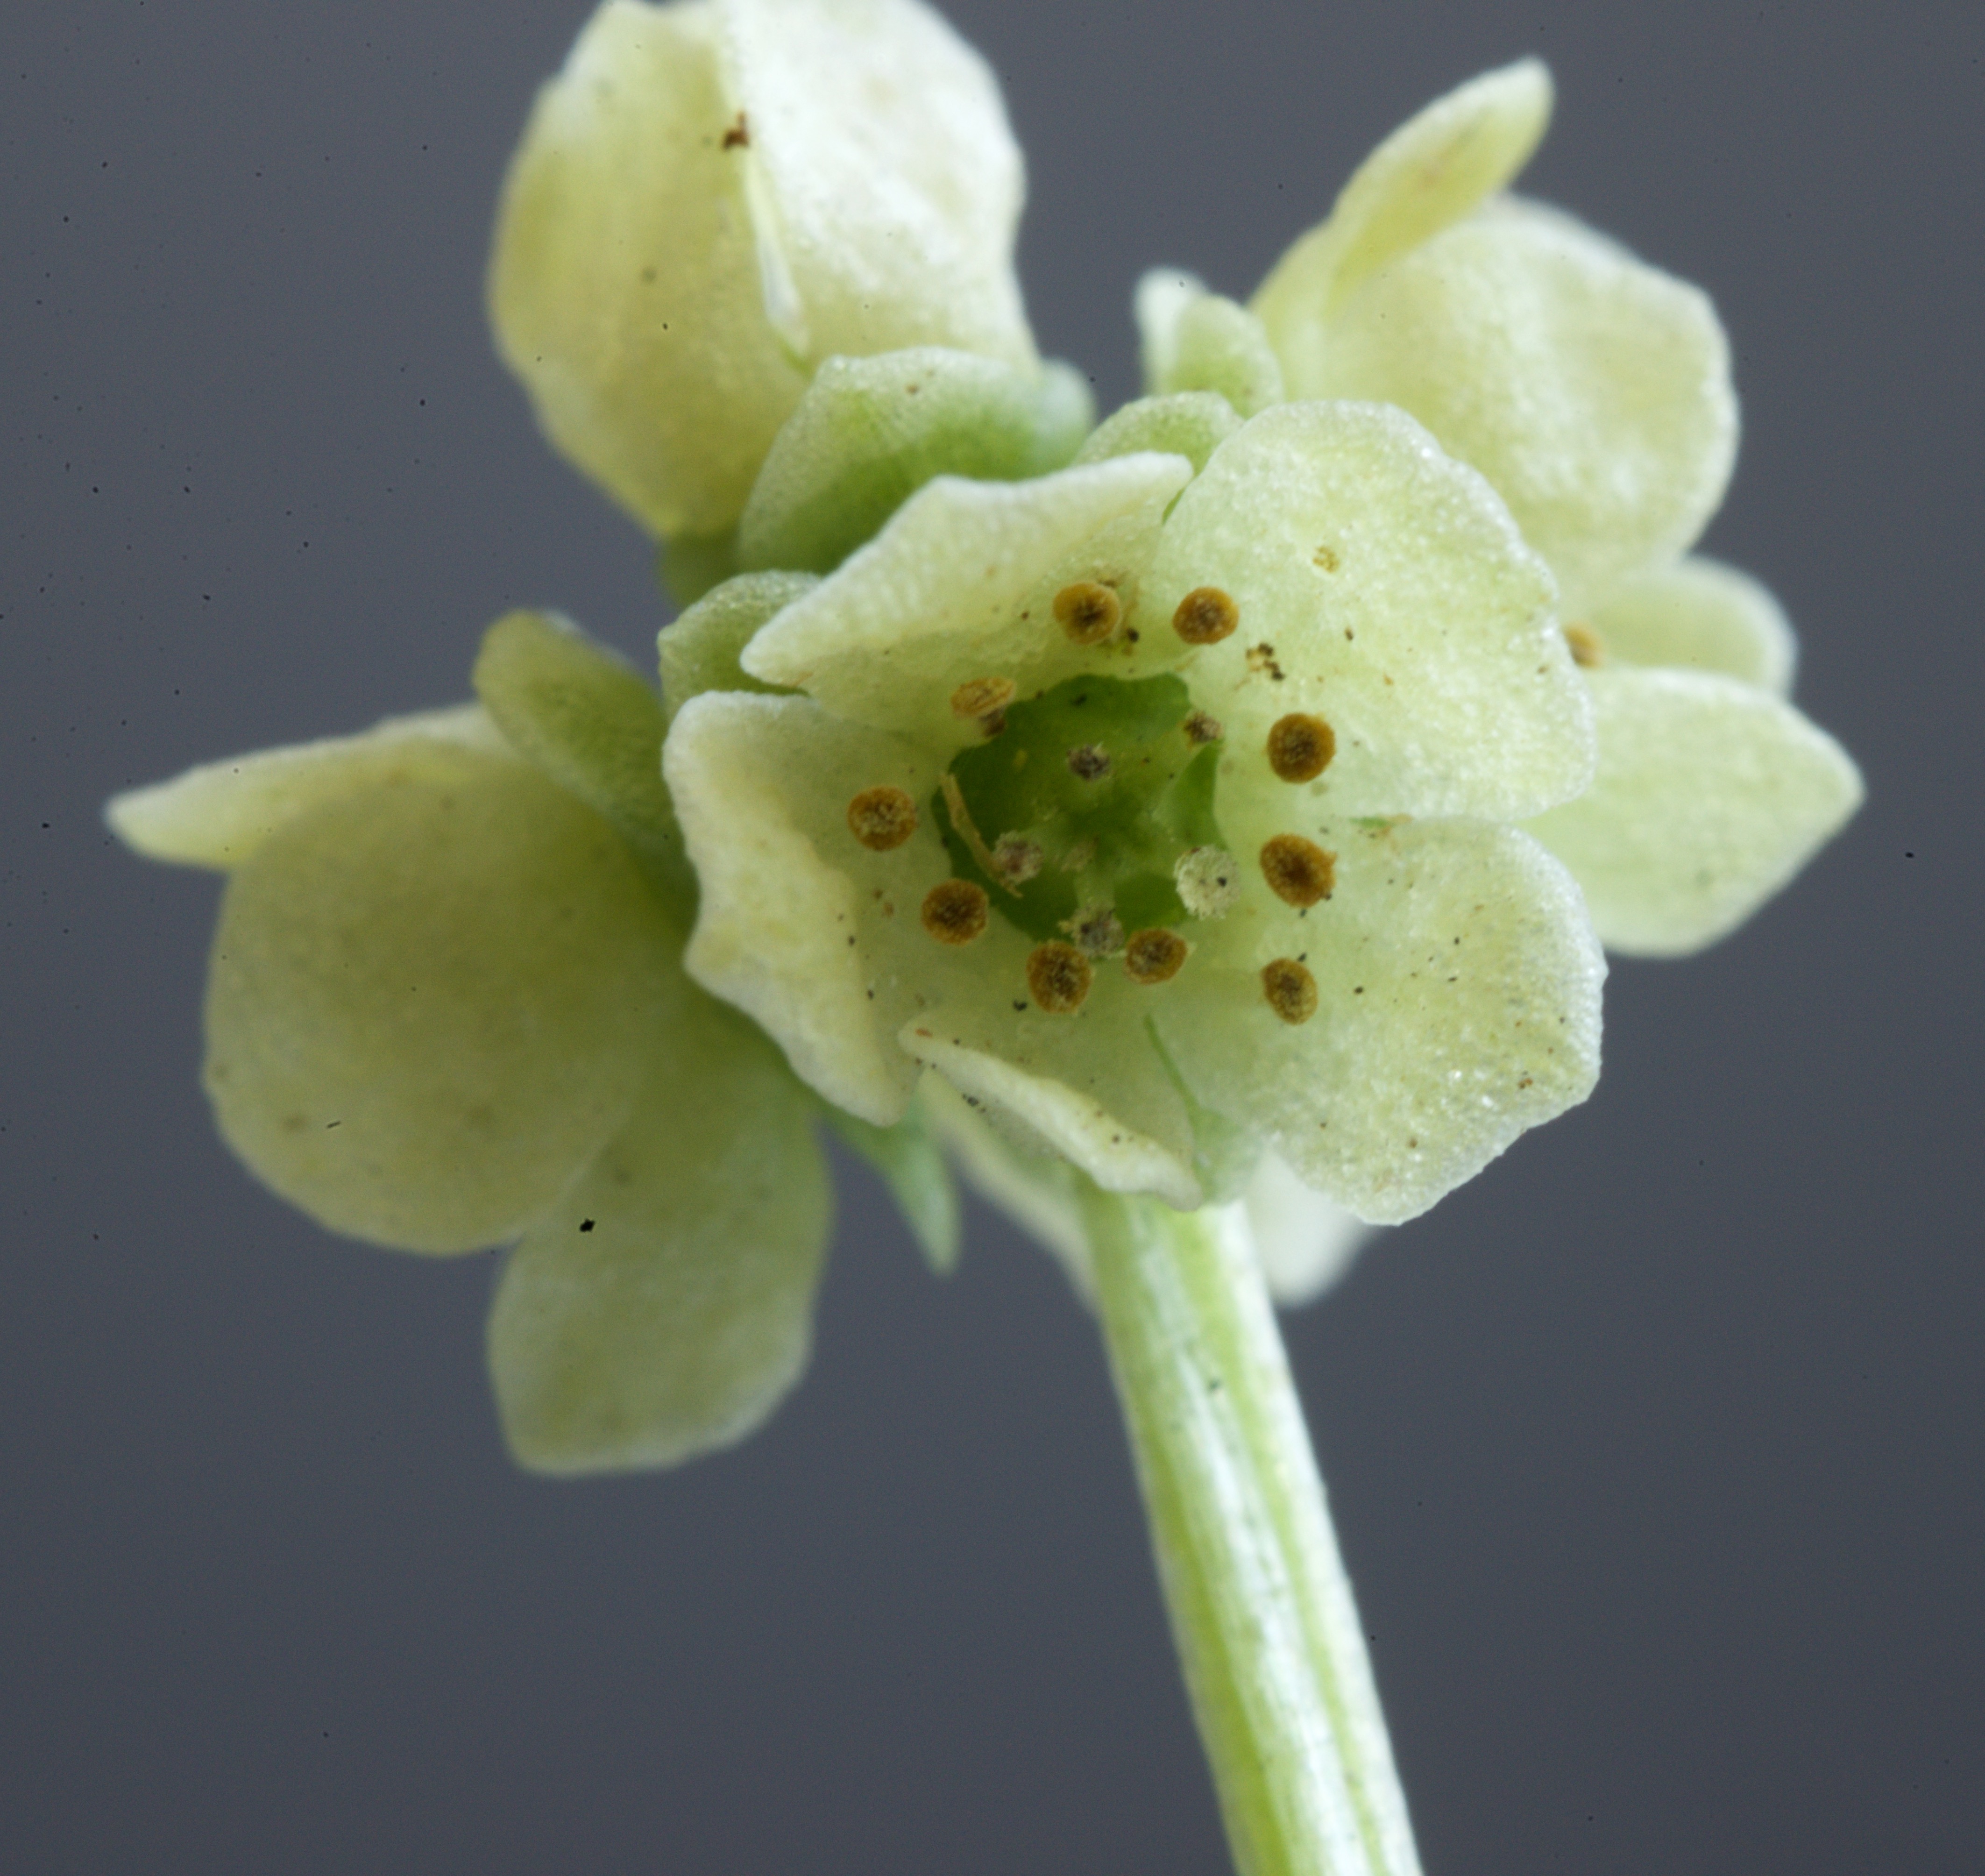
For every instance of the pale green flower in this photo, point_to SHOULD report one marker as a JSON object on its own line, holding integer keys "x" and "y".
{"x": 1593, "y": 392}
{"x": 1164, "y": 816}
{"x": 714, "y": 197}
{"x": 446, "y": 1010}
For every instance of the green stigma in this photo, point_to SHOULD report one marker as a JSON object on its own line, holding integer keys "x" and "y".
{"x": 1074, "y": 815}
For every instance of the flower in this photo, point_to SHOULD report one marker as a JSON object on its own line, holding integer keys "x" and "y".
{"x": 444, "y": 1011}
{"x": 713, "y": 196}
{"x": 1593, "y": 392}
{"x": 1166, "y": 816}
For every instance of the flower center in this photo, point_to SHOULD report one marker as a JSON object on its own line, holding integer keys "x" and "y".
{"x": 1075, "y": 817}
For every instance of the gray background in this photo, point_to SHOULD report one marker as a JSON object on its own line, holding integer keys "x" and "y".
{"x": 1656, "y": 1449}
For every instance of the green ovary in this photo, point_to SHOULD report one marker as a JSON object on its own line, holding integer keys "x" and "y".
{"x": 1082, "y": 803}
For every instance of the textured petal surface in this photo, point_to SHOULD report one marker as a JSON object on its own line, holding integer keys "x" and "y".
{"x": 1306, "y": 1242}
{"x": 1593, "y": 390}
{"x": 578, "y": 712}
{"x": 1698, "y": 614}
{"x": 886, "y": 184}
{"x": 1458, "y": 983}
{"x": 1197, "y": 341}
{"x": 664, "y": 1305}
{"x": 218, "y": 814}
{"x": 870, "y": 432}
{"x": 432, "y": 1000}
{"x": 960, "y": 585}
{"x": 1382, "y": 588}
{"x": 1429, "y": 172}
{"x": 1711, "y": 795}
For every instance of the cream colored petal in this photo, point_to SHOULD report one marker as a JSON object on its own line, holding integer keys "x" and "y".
{"x": 431, "y": 1000}
{"x": 870, "y": 432}
{"x": 700, "y": 651}
{"x": 960, "y": 585}
{"x": 219, "y": 814}
{"x": 1070, "y": 1084}
{"x": 624, "y": 287}
{"x": 1382, "y": 588}
{"x": 1711, "y": 794}
{"x": 1698, "y": 614}
{"x": 663, "y": 1306}
{"x": 1592, "y": 390}
{"x": 1458, "y": 985}
{"x": 1305, "y": 1241}
{"x": 578, "y": 712}
{"x": 762, "y": 785}
{"x": 1429, "y": 172}
{"x": 886, "y": 183}
{"x": 1197, "y": 341}
{"x": 1192, "y": 424}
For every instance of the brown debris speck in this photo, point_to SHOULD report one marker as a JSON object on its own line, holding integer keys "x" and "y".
{"x": 739, "y": 136}
{"x": 1586, "y": 652}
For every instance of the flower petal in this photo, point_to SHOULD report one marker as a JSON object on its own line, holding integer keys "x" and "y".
{"x": 1429, "y": 172}
{"x": 663, "y": 1306}
{"x": 1305, "y": 1241}
{"x": 1458, "y": 982}
{"x": 1382, "y": 588}
{"x": 1197, "y": 341}
{"x": 961, "y": 584}
{"x": 577, "y": 712}
{"x": 870, "y": 432}
{"x": 762, "y": 785}
{"x": 432, "y": 999}
{"x": 1698, "y": 614}
{"x": 219, "y": 814}
{"x": 1592, "y": 390}
{"x": 1711, "y": 794}
{"x": 886, "y": 184}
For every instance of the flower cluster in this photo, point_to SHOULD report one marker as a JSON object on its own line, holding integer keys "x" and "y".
{"x": 1228, "y": 802}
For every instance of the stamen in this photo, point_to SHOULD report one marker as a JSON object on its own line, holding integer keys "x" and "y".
{"x": 1290, "y": 989}
{"x": 1154, "y": 956}
{"x": 1087, "y": 612}
{"x": 1059, "y": 977}
{"x": 955, "y": 912}
{"x": 1300, "y": 748}
{"x": 1586, "y": 652}
{"x": 1088, "y": 762}
{"x": 980, "y": 697}
{"x": 882, "y": 818}
{"x": 1014, "y": 860}
{"x": 961, "y": 824}
{"x": 1200, "y": 729}
{"x": 1298, "y": 872}
{"x": 1096, "y": 930}
{"x": 1208, "y": 881}
{"x": 1205, "y": 615}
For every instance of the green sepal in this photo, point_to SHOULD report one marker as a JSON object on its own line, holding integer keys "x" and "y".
{"x": 911, "y": 1164}
{"x": 1192, "y": 424}
{"x": 689, "y": 566}
{"x": 700, "y": 652}
{"x": 870, "y": 433}
{"x": 582, "y": 716}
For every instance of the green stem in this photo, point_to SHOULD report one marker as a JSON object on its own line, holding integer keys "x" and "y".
{"x": 1274, "y": 1656}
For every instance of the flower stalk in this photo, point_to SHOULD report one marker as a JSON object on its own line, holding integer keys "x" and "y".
{"x": 1262, "y": 1613}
